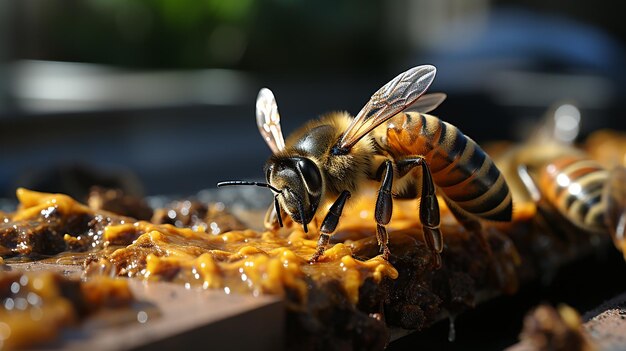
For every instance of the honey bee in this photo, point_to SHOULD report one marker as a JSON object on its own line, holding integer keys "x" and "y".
{"x": 581, "y": 190}
{"x": 564, "y": 179}
{"x": 574, "y": 185}
{"x": 391, "y": 141}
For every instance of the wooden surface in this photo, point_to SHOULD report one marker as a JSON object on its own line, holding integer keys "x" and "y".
{"x": 606, "y": 324}
{"x": 169, "y": 316}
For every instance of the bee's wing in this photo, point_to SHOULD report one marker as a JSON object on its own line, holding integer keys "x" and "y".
{"x": 268, "y": 120}
{"x": 393, "y": 97}
{"x": 427, "y": 103}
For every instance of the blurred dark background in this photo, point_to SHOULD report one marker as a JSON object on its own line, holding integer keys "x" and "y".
{"x": 157, "y": 96}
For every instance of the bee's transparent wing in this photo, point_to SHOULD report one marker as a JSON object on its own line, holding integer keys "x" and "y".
{"x": 393, "y": 97}
{"x": 268, "y": 120}
{"x": 427, "y": 103}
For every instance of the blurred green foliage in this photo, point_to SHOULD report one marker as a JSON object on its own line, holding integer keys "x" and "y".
{"x": 245, "y": 34}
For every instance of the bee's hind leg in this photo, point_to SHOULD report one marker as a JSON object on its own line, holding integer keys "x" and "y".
{"x": 384, "y": 207}
{"x": 330, "y": 224}
{"x": 429, "y": 206}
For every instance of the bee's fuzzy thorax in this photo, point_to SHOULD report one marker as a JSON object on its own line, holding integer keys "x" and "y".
{"x": 346, "y": 172}
{"x": 315, "y": 140}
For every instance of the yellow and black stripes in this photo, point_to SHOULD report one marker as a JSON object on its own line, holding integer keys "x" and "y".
{"x": 574, "y": 186}
{"x": 460, "y": 168}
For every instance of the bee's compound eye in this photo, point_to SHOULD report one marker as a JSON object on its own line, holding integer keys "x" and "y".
{"x": 311, "y": 174}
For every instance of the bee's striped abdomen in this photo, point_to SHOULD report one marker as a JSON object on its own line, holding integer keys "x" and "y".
{"x": 460, "y": 168}
{"x": 574, "y": 186}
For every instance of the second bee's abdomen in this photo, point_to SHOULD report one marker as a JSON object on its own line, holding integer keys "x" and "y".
{"x": 574, "y": 186}
{"x": 460, "y": 168}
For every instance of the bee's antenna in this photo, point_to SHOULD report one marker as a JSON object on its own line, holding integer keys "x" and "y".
{"x": 243, "y": 182}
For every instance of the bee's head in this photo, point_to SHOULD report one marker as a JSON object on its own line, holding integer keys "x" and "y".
{"x": 296, "y": 183}
{"x": 300, "y": 183}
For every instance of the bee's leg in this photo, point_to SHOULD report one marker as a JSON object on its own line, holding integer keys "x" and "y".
{"x": 384, "y": 207}
{"x": 330, "y": 224}
{"x": 429, "y": 206}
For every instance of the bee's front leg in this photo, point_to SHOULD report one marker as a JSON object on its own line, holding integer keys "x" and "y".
{"x": 330, "y": 224}
{"x": 429, "y": 206}
{"x": 384, "y": 208}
